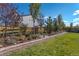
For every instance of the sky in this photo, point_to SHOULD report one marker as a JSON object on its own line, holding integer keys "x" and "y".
{"x": 69, "y": 11}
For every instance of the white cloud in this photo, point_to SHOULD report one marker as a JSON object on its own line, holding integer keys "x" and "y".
{"x": 55, "y": 16}
{"x": 75, "y": 21}
{"x": 76, "y": 12}
{"x": 45, "y": 17}
{"x": 67, "y": 24}
{"x": 65, "y": 21}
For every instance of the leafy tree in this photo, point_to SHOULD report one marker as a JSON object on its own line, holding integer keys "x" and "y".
{"x": 60, "y": 23}
{"x": 76, "y": 27}
{"x": 49, "y": 26}
{"x": 34, "y": 11}
{"x": 71, "y": 26}
{"x": 55, "y": 24}
{"x": 67, "y": 28}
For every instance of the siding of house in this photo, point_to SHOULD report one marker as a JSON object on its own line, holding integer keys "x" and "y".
{"x": 28, "y": 20}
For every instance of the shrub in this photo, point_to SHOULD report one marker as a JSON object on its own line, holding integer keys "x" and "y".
{"x": 32, "y": 36}
{"x": 29, "y": 37}
{"x": 10, "y": 40}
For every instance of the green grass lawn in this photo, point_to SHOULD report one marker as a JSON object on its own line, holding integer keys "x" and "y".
{"x": 65, "y": 45}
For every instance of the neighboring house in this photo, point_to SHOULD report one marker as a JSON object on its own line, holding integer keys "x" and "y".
{"x": 28, "y": 20}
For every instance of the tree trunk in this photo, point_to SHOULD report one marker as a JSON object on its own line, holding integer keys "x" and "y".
{"x": 34, "y": 27}
{"x": 5, "y": 34}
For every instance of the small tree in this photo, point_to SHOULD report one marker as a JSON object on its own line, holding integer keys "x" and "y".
{"x": 49, "y": 26}
{"x": 60, "y": 23}
{"x": 55, "y": 24}
{"x": 71, "y": 26}
{"x": 34, "y": 12}
{"x": 41, "y": 22}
